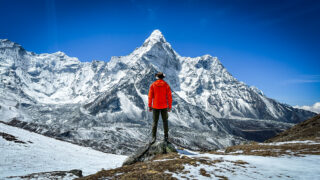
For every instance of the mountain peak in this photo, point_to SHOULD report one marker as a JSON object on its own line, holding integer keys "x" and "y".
{"x": 8, "y": 43}
{"x": 60, "y": 53}
{"x": 156, "y": 36}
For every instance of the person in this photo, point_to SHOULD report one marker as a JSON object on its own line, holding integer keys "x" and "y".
{"x": 160, "y": 102}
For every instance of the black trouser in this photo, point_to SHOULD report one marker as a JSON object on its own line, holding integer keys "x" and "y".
{"x": 164, "y": 115}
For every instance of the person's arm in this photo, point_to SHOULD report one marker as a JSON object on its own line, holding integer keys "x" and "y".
{"x": 150, "y": 98}
{"x": 169, "y": 97}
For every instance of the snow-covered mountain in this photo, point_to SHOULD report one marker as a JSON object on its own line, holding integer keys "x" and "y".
{"x": 103, "y": 104}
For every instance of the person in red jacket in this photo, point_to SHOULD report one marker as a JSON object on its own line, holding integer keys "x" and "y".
{"x": 160, "y": 102}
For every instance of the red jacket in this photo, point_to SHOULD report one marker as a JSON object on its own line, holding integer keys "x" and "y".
{"x": 160, "y": 95}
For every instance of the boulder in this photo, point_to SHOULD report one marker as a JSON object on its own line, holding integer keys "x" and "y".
{"x": 149, "y": 151}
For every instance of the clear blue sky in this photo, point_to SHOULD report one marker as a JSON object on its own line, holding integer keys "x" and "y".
{"x": 273, "y": 45}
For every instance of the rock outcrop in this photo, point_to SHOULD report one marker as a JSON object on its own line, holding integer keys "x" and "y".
{"x": 149, "y": 151}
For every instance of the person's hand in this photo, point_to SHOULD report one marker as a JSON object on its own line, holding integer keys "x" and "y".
{"x": 150, "y": 109}
{"x": 169, "y": 109}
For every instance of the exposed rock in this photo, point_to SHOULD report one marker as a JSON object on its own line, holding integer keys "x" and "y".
{"x": 10, "y": 137}
{"x": 149, "y": 151}
{"x": 75, "y": 173}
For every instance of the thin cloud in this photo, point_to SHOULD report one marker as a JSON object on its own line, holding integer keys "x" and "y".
{"x": 304, "y": 79}
{"x": 314, "y": 108}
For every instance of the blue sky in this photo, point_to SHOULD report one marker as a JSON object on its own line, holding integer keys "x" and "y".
{"x": 273, "y": 45}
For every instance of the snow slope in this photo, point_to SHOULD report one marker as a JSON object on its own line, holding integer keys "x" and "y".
{"x": 43, "y": 154}
{"x": 255, "y": 167}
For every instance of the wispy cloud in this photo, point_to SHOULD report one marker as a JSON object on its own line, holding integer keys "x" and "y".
{"x": 304, "y": 79}
{"x": 314, "y": 108}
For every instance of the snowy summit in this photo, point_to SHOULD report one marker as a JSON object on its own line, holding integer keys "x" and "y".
{"x": 156, "y": 36}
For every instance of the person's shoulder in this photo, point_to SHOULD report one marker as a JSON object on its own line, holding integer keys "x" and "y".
{"x": 167, "y": 84}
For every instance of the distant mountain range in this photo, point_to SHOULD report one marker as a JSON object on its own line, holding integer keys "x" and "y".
{"x": 104, "y": 104}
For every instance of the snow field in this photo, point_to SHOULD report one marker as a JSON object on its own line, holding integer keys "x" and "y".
{"x": 42, "y": 154}
{"x": 254, "y": 167}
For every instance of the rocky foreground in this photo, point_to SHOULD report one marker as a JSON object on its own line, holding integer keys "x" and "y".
{"x": 285, "y": 160}
{"x": 33, "y": 156}
{"x": 294, "y": 159}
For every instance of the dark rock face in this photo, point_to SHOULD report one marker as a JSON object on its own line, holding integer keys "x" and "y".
{"x": 149, "y": 151}
{"x": 256, "y": 130}
{"x": 10, "y": 137}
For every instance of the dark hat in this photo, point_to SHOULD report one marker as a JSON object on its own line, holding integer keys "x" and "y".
{"x": 160, "y": 75}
